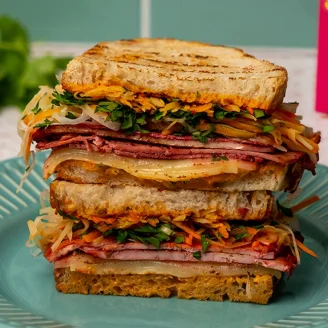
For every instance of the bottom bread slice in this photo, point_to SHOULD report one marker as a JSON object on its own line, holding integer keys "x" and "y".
{"x": 254, "y": 289}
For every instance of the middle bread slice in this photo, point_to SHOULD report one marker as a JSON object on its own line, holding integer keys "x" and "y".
{"x": 104, "y": 200}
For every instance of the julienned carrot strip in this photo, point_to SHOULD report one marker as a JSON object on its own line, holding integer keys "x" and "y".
{"x": 251, "y": 231}
{"x": 188, "y": 240}
{"x": 91, "y": 236}
{"x": 305, "y": 249}
{"x": 187, "y": 229}
{"x": 305, "y": 203}
{"x": 97, "y": 219}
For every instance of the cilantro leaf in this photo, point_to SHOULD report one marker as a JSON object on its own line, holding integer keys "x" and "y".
{"x": 258, "y": 227}
{"x": 179, "y": 240}
{"x": 268, "y": 128}
{"x": 241, "y": 235}
{"x": 36, "y": 109}
{"x": 67, "y": 216}
{"x": 121, "y": 236}
{"x": 197, "y": 94}
{"x": 219, "y": 158}
{"x": 259, "y": 113}
{"x": 70, "y": 116}
{"x": 158, "y": 115}
{"x": 197, "y": 255}
{"x": 67, "y": 99}
{"x": 205, "y": 243}
{"x": 44, "y": 124}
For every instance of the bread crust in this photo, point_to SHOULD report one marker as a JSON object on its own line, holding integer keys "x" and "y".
{"x": 215, "y": 288}
{"x": 269, "y": 176}
{"x": 191, "y": 71}
{"x": 103, "y": 200}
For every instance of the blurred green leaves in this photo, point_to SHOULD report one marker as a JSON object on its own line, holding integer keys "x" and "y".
{"x": 21, "y": 76}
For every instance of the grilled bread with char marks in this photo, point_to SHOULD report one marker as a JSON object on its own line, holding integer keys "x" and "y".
{"x": 167, "y": 68}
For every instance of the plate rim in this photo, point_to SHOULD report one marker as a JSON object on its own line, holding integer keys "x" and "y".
{"x": 311, "y": 317}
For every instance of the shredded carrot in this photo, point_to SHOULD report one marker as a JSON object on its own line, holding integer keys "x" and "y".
{"x": 223, "y": 230}
{"x": 97, "y": 219}
{"x": 188, "y": 240}
{"x": 251, "y": 231}
{"x": 187, "y": 229}
{"x": 133, "y": 217}
{"x": 91, "y": 236}
{"x": 305, "y": 203}
{"x": 305, "y": 249}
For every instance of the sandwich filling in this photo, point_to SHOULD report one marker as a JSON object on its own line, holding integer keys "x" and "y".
{"x": 151, "y": 187}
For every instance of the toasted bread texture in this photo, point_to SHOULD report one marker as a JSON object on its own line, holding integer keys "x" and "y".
{"x": 255, "y": 289}
{"x": 104, "y": 200}
{"x": 269, "y": 176}
{"x": 191, "y": 71}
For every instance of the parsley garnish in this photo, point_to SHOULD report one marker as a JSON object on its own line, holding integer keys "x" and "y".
{"x": 71, "y": 116}
{"x": 285, "y": 210}
{"x": 23, "y": 116}
{"x": 257, "y": 227}
{"x": 36, "y": 109}
{"x": 197, "y": 94}
{"x": 179, "y": 240}
{"x": 68, "y": 216}
{"x": 259, "y": 113}
{"x": 219, "y": 158}
{"x": 268, "y": 128}
{"x": 158, "y": 115}
{"x": 121, "y": 236}
{"x": 176, "y": 99}
{"x": 197, "y": 255}
{"x": 241, "y": 235}
{"x": 44, "y": 124}
{"x": 67, "y": 99}
{"x": 78, "y": 226}
{"x": 205, "y": 243}
{"x": 27, "y": 168}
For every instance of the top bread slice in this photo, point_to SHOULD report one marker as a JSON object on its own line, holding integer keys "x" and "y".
{"x": 191, "y": 71}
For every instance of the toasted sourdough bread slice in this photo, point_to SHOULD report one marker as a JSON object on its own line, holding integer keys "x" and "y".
{"x": 255, "y": 289}
{"x": 104, "y": 200}
{"x": 191, "y": 71}
{"x": 269, "y": 176}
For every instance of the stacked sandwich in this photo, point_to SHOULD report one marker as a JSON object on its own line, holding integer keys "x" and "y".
{"x": 166, "y": 154}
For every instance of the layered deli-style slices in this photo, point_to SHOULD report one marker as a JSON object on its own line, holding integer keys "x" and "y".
{"x": 166, "y": 154}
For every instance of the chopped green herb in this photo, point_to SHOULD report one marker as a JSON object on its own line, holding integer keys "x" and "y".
{"x": 241, "y": 235}
{"x": 285, "y": 210}
{"x": 219, "y": 158}
{"x": 259, "y": 113}
{"x": 142, "y": 119}
{"x": 71, "y": 116}
{"x": 44, "y": 124}
{"x": 23, "y": 116}
{"x": 258, "y": 227}
{"x": 147, "y": 228}
{"x": 176, "y": 99}
{"x": 179, "y": 240}
{"x": 197, "y": 255}
{"x": 108, "y": 232}
{"x": 67, "y": 216}
{"x": 268, "y": 128}
{"x": 78, "y": 226}
{"x": 36, "y": 109}
{"x": 158, "y": 115}
{"x": 27, "y": 168}
{"x": 67, "y": 99}
{"x": 203, "y": 136}
{"x": 205, "y": 243}
{"x": 121, "y": 236}
{"x": 154, "y": 241}
{"x": 84, "y": 233}
{"x": 197, "y": 94}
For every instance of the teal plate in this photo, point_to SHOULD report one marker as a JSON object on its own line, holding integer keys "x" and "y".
{"x": 28, "y": 297}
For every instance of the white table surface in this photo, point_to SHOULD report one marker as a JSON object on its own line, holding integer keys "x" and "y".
{"x": 300, "y": 64}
